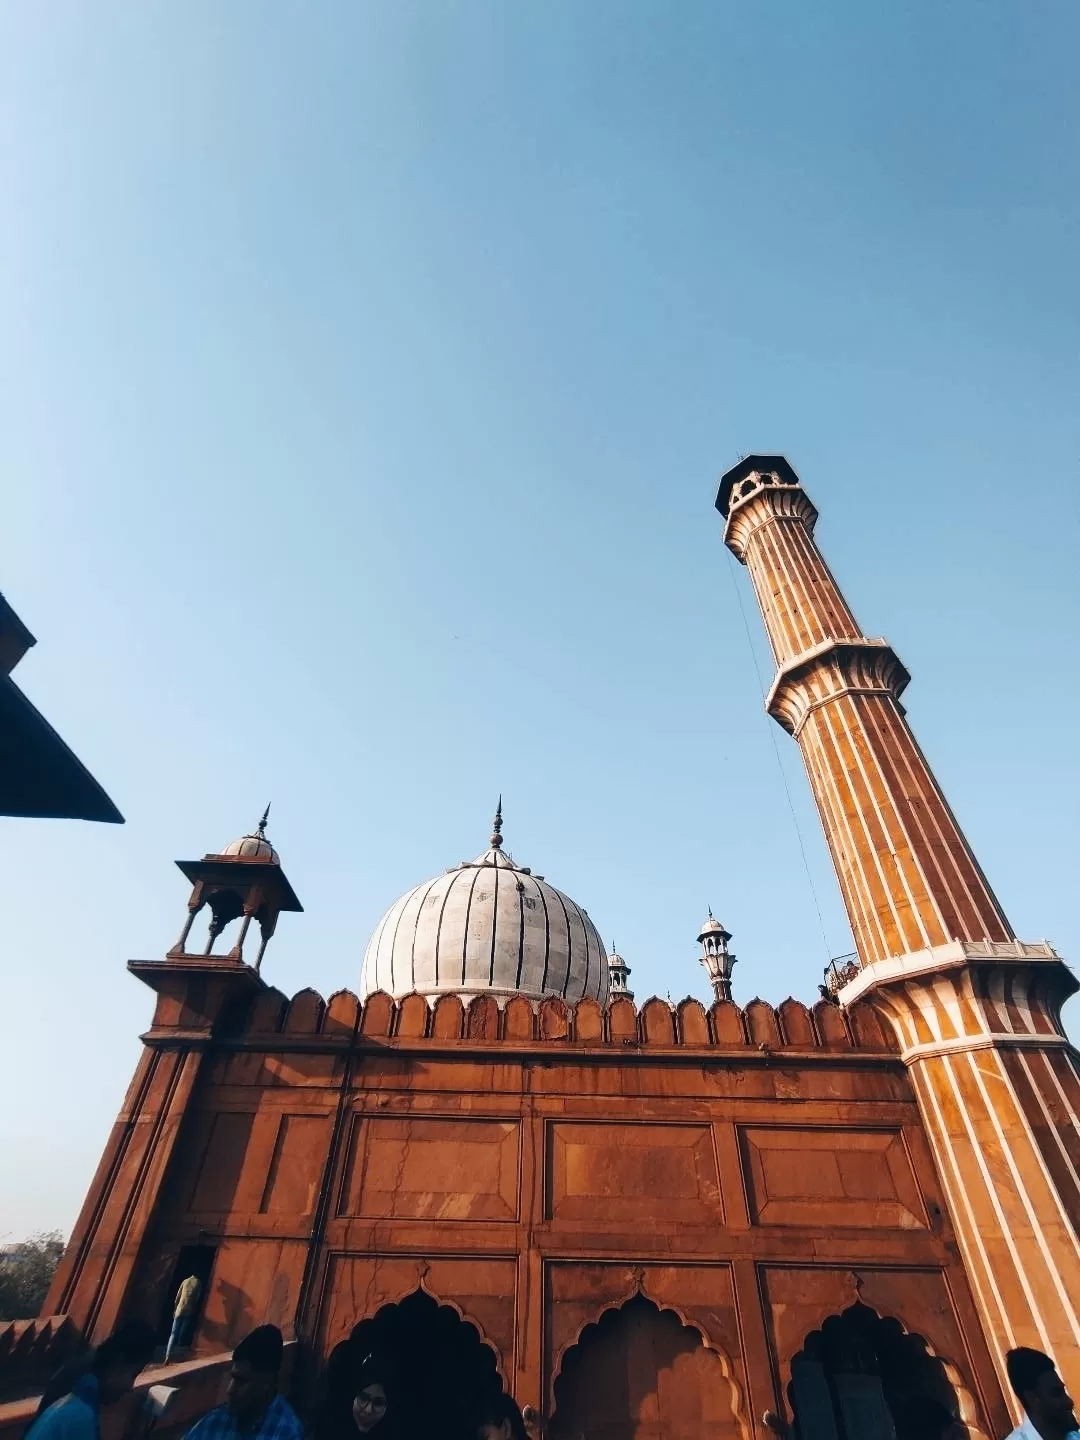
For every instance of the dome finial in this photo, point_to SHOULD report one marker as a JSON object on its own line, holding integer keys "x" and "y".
{"x": 496, "y": 828}
{"x": 261, "y": 830}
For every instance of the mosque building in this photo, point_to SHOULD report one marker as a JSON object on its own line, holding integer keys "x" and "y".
{"x": 661, "y": 1221}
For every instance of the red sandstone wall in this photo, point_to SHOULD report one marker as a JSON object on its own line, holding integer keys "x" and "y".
{"x": 752, "y": 1169}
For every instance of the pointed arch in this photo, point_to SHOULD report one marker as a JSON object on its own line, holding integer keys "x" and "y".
{"x": 967, "y": 1407}
{"x": 613, "y": 1307}
{"x": 413, "y": 1294}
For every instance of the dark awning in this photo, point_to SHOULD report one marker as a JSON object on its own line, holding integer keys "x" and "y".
{"x": 39, "y": 775}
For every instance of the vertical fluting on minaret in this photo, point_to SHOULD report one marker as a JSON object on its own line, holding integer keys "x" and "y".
{"x": 907, "y": 873}
{"x": 977, "y": 1013}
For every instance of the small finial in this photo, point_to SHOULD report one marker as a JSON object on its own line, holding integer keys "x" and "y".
{"x": 261, "y": 831}
{"x": 496, "y": 829}
{"x": 711, "y": 915}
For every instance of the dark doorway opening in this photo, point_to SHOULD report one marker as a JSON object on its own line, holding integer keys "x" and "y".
{"x": 197, "y": 1260}
{"x": 861, "y": 1377}
{"x": 445, "y": 1369}
{"x": 639, "y": 1373}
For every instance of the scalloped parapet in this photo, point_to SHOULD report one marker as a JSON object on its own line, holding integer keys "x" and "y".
{"x": 33, "y": 1350}
{"x": 656, "y": 1025}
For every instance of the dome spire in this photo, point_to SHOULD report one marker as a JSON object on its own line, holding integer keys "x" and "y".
{"x": 261, "y": 828}
{"x": 496, "y": 828}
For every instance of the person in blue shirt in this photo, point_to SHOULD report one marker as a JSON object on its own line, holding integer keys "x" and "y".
{"x": 134, "y": 1337}
{"x": 253, "y": 1409}
{"x": 1048, "y": 1406}
{"x": 110, "y": 1375}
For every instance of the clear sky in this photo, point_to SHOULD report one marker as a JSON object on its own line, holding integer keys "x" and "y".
{"x": 366, "y": 371}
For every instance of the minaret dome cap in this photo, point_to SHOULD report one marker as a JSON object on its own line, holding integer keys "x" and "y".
{"x": 712, "y": 926}
{"x": 254, "y": 845}
{"x": 748, "y": 465}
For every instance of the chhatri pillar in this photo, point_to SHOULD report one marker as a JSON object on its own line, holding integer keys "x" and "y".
{"x": 976, "y": 1011}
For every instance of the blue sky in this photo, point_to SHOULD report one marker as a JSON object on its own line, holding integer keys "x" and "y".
{"x": 366, "y": 371}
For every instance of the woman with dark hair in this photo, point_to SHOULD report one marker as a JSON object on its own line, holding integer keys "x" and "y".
{"x": 363, "y": 1400}
{"x": 497, "y": 1418}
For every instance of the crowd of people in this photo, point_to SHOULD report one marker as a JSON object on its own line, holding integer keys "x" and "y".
{"x": 363, "y": 1399}
{"x": 357, "y": 1401}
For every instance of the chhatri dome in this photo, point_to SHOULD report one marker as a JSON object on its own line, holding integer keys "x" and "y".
{"x": 488, "y": 927}
{"x": 254, "y": 845}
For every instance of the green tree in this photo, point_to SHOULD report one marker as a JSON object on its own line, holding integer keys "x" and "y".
{"x": 26, "y": 1271}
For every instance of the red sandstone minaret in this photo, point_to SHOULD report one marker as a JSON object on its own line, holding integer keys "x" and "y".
{"x": 976, "y": 1012}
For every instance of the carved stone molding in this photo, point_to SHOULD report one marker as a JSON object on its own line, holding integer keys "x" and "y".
{"x": 760, "y": 499}
{"x": 836, "y": 668}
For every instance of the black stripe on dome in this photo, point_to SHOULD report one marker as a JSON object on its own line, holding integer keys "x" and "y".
{"x": 547, "y": 937}
{"x": 465, "y": 932}
{"x": 494, "y": 914}
{"x": 588, "y": 957}
{"x": 416, "y": 926}
{"x": 438, "y": 927}
{"x": 569, "y": 944}
{"x": 403, "y": 905}
{"x": 520, "y": 887}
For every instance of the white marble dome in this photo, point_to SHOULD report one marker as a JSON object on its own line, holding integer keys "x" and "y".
{"x": 488, "y": 927}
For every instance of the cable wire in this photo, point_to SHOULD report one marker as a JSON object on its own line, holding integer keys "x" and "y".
{"x": 780, "y": 763}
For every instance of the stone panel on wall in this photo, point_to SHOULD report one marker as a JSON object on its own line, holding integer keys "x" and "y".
{"x": 220, "y": 1161}
{"x": 801, "y": 1176}
{"x": 292, "y": 1180}
{"x": 254, "y": 1282}
{"x": 632, "y": 1172}
{"x": 433, "y": 1169}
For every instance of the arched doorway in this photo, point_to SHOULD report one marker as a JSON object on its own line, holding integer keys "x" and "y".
{"x": 639, "y": 1373}
{"x": 445, "y": 1368}
{"x": 862, "y": 1377}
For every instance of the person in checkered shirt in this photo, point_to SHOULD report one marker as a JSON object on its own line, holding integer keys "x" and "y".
{"x": 253, "y": 1410}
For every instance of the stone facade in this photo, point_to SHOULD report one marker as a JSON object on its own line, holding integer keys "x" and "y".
{"x": 656, "y": 1222}
{"x": 533, "y": 1167}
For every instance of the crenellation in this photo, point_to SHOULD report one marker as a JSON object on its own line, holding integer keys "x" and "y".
{"x": 304, "y": 1014}
{"x": 762, "y": 1025}
{"x": 656, "y": 1023}
{"x": 267, "y": 1013}
{"x": 796, "y": 1027}
{"x": 831, "y": 1026}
